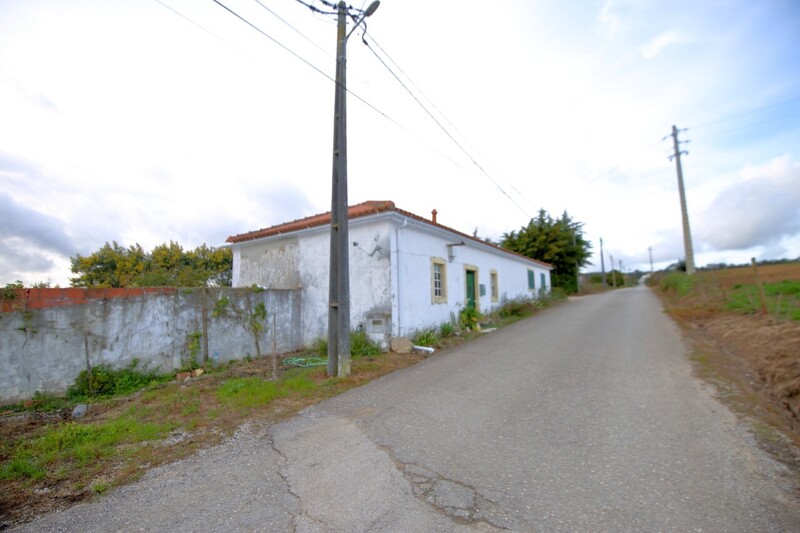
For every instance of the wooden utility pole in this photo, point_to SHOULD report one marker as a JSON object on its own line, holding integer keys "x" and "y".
{"x": 339, "y": 274}
{"x": 339, "y": 278}
{"x": 602, "y": 263}
{"x": 687, "y": 235}
{"x": 613, "y": 277}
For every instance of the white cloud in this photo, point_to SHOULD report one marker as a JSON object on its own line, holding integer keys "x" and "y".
{"x": 760, "y": 210}
{"x": 657, "y": 44}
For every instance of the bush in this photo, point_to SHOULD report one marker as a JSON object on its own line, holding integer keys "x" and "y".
{"x": 519, "y": 307}
{"x": 106, "y": 381}
{"x": 678, "y": 282}
{"x": 426, "y": 337}
{"x": 469, "y": 317}
{"x": 361, "y": 345}
{"x": 447, "y": 329}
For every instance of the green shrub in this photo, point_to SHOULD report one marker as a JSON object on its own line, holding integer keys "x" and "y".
{"x": 447, "y": 329}
{"x": 106, "y": 381}
{"x": 361, "y": 345}
{"x": 518, "y": 307}
{"x": 426, "y": 337}
{"x": 469, "y": 317}
{"x": 678, "y": 282}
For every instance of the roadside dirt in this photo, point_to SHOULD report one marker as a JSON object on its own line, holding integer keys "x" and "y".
{"x": 752, "y": 359}
{"x": 192, "y": 406}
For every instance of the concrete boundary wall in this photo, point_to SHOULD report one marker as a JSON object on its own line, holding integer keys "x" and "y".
{"x": 44, "y": 348}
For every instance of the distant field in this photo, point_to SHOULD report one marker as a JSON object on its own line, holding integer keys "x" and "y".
{"x": 737, "y": 289}
{"x": 730, "y": 277}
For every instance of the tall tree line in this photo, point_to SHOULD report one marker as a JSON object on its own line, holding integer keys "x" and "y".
{"x": 558, "y": 241}
{"x": 167, "y": 265}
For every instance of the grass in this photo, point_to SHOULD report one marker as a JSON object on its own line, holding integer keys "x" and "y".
{"x": 252, "y": 392}
{"x": 45, "y": 461}
{"x": 73, "y": 445}
{"x": 781, "y": 298}
{"x": 733, "y": 290}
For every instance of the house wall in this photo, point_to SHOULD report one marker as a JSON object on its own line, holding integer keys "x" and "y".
{"x": 280, "y": 262}
{"x": 390, "y": 274}
{"x": 420, "y": 243}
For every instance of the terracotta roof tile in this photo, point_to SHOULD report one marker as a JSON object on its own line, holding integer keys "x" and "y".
{"x": 355, "y": 211}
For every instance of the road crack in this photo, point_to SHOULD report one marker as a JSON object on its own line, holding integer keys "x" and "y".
{"x": 455, "y": 499}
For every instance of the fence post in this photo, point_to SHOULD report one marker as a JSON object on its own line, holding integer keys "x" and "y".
{"x": 760, "y": 285}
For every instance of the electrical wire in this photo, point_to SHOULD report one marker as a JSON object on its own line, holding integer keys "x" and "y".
{"x": 303, "y": 35}
{"x": 446, "y": 132}
{"x": 744, "y": 113}
{"x": 356, "y": 96}
{"x": 315, "y": 9}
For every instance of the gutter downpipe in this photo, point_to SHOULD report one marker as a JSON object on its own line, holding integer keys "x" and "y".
{"x": 396, "y": 278}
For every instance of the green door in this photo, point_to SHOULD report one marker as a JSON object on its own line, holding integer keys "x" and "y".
{"x": 471, "y": 289}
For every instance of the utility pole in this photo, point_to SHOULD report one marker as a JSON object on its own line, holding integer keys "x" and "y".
{"x": 339, "y": 278}
{"x": 613, "y": 276}
{"x": 602, "y": 263}
{"x": 687, "y": 236}
{"x": 650, "y": 250}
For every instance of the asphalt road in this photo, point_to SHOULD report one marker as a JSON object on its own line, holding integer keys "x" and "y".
{"x": 583, "y": 418}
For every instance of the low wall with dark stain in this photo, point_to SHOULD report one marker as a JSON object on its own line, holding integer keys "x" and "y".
{"x": 47, "y": 336}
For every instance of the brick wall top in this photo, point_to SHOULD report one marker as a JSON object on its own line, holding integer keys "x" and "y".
{"x": 45, "y": 298}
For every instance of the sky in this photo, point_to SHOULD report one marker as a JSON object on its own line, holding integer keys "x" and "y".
{"x": 149, "y": 121}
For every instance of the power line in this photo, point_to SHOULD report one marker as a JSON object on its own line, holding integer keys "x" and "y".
{"x": 446, "y": 132}
{"x": 744, "y": 113}
{"x": 301, "y": 58}
{"x": 315, "y": 9}
{"x": 303, "y": 35}
{"x": 356, "y": 96}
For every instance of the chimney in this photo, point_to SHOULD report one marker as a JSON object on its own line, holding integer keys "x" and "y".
{"x": 433, "y": 215}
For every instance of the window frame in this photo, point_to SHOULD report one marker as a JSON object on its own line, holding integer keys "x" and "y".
{"x": 494, "y": 289}
{"x": 441, "y": 298}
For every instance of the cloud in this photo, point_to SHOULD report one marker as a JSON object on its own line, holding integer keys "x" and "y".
{"x": 32, "y": 227}
{"x": 656, "y": 45}
{"x": 759, "y": 211}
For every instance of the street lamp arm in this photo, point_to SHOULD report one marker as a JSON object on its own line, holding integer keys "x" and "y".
{"x": 368, "y": 12}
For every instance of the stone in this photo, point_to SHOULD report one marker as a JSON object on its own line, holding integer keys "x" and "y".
{"x": 401, "y": 345}
{"x": 80, "y": 410}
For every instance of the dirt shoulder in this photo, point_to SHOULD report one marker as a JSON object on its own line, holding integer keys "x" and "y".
{"x": 753, "y": 360}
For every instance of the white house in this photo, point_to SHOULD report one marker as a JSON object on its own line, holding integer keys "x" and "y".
{"x": 407, "y": 273}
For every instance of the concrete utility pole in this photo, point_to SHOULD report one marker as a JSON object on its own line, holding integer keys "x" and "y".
{"x": 650, "y": 250}
{"x": 602, "y": 263}
{"x": 339, "y": 280}
{"x": 687, "y": 235}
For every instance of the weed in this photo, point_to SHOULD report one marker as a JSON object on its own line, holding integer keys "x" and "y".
{"x": 426, "y": 337}
{"x": 220, "y": 306}
{"x": 361, "y": 345}
{"x": 193, "y": 347}
{"x": 106, "y": 381}
{"x": 76, "y": 445}
{"x": 447, "y": 329}
{"x": 678, "y": 282}
{"x": 469, "y": 317}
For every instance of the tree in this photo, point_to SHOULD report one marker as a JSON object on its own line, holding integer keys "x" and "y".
{"x": 167, "y": 265}
{"x": 559, "y": 242}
